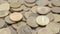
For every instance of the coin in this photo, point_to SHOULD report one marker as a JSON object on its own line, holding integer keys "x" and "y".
{"x": 30, "y": 1}
{"x": 12, "y": 1}
{"x": 4, "y": 6}
{"x": 32, "y": 22}
{"x": 15, "y": 16}
{"x": 55, "y": 2}
{"x": 56, "y": 9}
{"x": 15, "y": 5}
{"x": 2, "y": 23}
{"x": 24, "y": 30}
{"x": 26, "y": 14}
{"x": 12, "y": 31}
{"x": 56, "y": 17}
{"x": 4, "y": 13}
{"x": 45, "y": 31}
{"x": 5, "y": 31}
{"x": 7, "y": 19}
{"x": 53, "y": 26}
{"x": 43, "y": 10}
{"x": 29, "y": 5}
{"x": 42, "y": 2}
{"x": 42, "y": 20}
{"x": 34, "y": 32}
{"x": 34, "y": 9}
{"x": 21, "y": 1}
{"x": 50, "y": 16}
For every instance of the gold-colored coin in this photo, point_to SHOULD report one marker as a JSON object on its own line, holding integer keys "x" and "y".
{"x": 15, "y": 16}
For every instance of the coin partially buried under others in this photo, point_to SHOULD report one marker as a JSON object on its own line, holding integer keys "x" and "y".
{"x": 15, "y": 16}
{"x": 50, "y": 16}
{"x": 15, "y": 4}
{"x": 56, "y": 9}
{"x": 4, "y": 6}
{"x": 7, "y": 31}
{"x": 4, "y": 13}
{"x": 43, "y": 10}
{"x": 2, "y": 23}
{"x": 30, "y": 1}
{"x": 32, "y": 22}
{"x": 55, "y": 2}
{"x": 45, "y": 31}
{"x": 24, "y": 30}
{"x": 29, "y": 5}
{"x": 42, "y": 20}
{"x": 34, "y": 9}
{"x": 56, "y": 17}
{"x": 42, "y": 2}
{"x": 15, "y": 26}
{"x": 53, "y": 26}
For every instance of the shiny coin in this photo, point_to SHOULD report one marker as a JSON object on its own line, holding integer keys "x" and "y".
{"x": 42, "y": 20}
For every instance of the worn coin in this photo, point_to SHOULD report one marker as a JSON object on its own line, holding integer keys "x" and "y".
{"x": 50, "y": 16}
{"x": 4, "y": 6}
{"x": 42, "y": 2}
{"x": 56, "y": 9}
{"x": 32, "y": 22}
{"x": 43, "y": 10}
{"x": 54, "y": 27}
{"x": 55, "y": 2}
{"x": 29, "y": 5}
{"x": 30, "y": 1}
{"x": 45, "y": 31}
{"x": 4, "y": 13}
{"x": 34, "y": 9}
{"x": 2, "y": 23}
{"x": 24, "y": 30}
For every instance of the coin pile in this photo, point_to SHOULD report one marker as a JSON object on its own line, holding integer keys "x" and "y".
{"x": 29, "y": 16}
